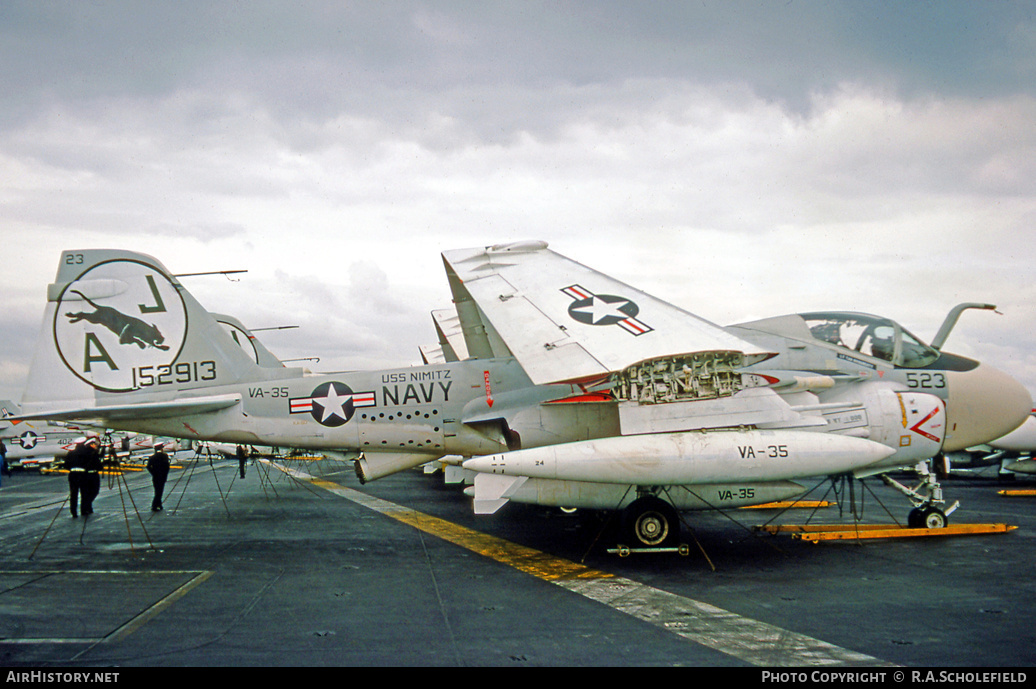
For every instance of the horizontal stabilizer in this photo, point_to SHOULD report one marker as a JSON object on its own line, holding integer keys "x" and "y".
{"x": 140, "y": 410}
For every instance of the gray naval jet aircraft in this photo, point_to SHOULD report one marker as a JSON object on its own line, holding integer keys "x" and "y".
{"x": 576, "y": 391}
{"x": 840, "y": 374}
{"x": 1013, "y": 453}
{"x": 1019, "y": 446}
{"x": 34, "y": 443}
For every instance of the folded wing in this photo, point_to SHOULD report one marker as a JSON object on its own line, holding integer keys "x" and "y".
{"x": 565, "y": 322}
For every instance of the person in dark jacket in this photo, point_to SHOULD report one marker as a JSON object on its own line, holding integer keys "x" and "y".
{"x": 242, "y": 457}
{"x": 92, "y": 469}
{"x": 158, "y": 467}
{"x": 75, "y": 462}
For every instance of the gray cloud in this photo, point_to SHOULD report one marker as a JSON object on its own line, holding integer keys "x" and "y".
{"x": 740, "y": 158}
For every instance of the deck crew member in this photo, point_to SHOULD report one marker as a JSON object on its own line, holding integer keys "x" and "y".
{"x": 158, "y": 467}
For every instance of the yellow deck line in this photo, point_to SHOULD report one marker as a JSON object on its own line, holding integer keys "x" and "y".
{"x": 749, "y": 640}
{"x": 527, "y": 560}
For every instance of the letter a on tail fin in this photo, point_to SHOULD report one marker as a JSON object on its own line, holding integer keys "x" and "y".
{"x": 119, "y": 328}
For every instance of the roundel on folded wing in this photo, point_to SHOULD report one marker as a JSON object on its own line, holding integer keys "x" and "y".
{"x": 603, "y": 309}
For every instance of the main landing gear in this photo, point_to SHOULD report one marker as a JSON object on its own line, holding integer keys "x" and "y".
{"x": 649, "y": 525}
{"x": 651, "y": 522}
{"x": 929, "y": 511}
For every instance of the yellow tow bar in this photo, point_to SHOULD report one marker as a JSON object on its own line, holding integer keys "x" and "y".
{"x": 842, "y": 532}
{"x": 807, "y": 504}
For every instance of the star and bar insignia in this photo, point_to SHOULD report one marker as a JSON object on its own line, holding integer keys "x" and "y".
{"x": 605, "y": 309}
{"x": 28, "y": 440}
{"x": 331, "y": 403}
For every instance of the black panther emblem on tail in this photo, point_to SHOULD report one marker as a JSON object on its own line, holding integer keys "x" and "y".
{"x": 129, "y": 329}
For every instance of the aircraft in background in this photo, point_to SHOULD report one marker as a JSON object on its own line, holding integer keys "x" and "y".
{"x": 1011, "y": 453}
{"x": 33, "y": 444}
{"x": 1019, "y": 446}
{"x": 574, "y": 390}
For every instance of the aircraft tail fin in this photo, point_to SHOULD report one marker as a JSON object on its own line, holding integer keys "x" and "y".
{"x": 120, "y": 328}
{"x": 244, "y": 337}
{"x": 8, "y": 408}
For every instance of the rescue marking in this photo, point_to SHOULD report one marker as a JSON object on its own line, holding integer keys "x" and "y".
{"x": 749, "y": 640}
{"x": 916, "y": 428}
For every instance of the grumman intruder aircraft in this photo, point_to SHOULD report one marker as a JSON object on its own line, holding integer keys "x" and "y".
{"x": 569, "y": 388}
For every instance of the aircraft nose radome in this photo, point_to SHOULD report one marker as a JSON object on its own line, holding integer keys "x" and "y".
{"x": 984, "y": 404}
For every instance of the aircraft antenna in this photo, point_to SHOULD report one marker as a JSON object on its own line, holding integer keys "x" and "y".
{"x": 211, "y": 272}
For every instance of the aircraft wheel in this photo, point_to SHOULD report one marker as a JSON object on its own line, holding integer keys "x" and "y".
{"x": 915, "y": 520}
{"x": 652, "y": 522}
{"x": 934, "y": 518}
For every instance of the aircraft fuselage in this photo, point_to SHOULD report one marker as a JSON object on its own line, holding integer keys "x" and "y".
{"x": 414, "y": 410}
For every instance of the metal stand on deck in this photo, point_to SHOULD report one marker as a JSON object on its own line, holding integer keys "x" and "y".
{"x": 625, "y": 551}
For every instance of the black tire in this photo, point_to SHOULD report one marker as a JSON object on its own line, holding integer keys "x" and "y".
{"x": 651, "y": 522}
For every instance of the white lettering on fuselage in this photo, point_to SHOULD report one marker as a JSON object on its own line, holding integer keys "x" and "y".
{"x": 415, "y": 376}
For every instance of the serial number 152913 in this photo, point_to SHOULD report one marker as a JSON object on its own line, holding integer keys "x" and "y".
{"x": 171, "y": 374}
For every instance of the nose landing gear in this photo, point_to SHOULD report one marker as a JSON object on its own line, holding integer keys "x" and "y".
{"x": 927, "y": 498}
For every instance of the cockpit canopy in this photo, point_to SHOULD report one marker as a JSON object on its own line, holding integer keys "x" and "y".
{"x": 870, "y": 335}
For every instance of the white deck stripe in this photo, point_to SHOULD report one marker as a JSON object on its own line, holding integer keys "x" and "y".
{"x": 754, "y": 642}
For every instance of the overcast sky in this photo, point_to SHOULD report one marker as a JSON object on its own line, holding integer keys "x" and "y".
{"x": 738, "y": 159}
